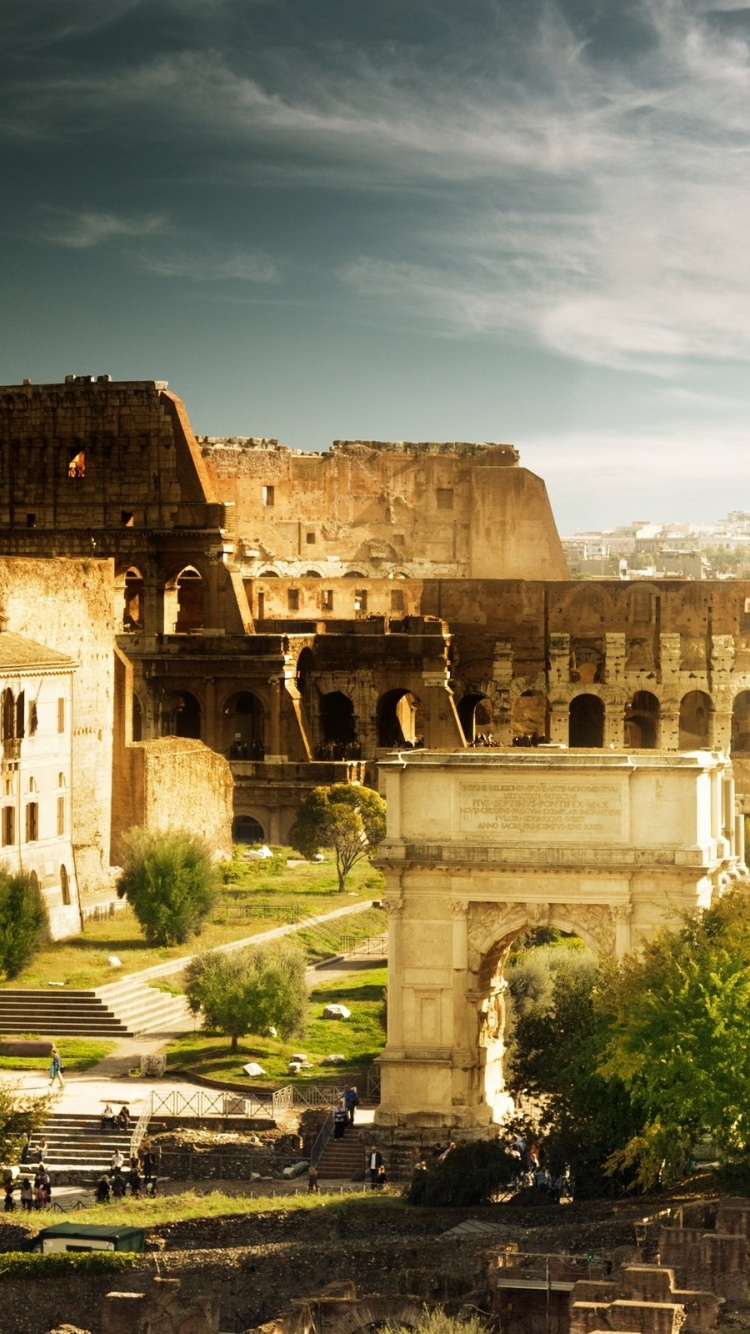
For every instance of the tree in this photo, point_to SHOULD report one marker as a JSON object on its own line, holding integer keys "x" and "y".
{"x": 466, "y": 1175}
{"x": 169, "y": 880}
{"x": 250, "y": 990}
{"x": 21, "y": 1115}
{"x": 344, "y": 816}
{"x": 679, "y": 1039}
{"x": 24, "y": 921}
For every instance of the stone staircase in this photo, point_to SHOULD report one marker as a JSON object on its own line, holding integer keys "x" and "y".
{"x": 343, "y": 1159}
{"x": 78, "y": 1150}
{"x": 120, "y": 1009}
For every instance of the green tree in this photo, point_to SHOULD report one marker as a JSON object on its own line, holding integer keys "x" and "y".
{"x": 169, "y": 880}
{"x": 344, "y": 816}
{"x": 24, "y": 922}
{"x": 679, "y": 1039}
{"x": 467, "y": 1175}
{"x": 21, "y": 1115}
{"x": 250, "y": 990}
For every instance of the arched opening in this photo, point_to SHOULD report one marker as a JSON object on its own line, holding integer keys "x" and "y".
{"x": 586, "y": 662}
{"x": 181, "y": 715}
{"x": 132, "y": 606}
{"x": 530, "y": 721}
{"x": 586, "y": 721}
{"x": 244, "y": 727}
{"x": 337, "y": 725}
{"x": 65, "y": 885}
{"x": 741, "y": 723}
{"x": 475, "y": 714}
{"x": 183, "y": 603}
{"x": 642, "y": 721}
{"x": 137, "y": 719}
{"x": 246, "y": 829}
{"x": 398, "y": 719}
{"x": 695, "y": 720}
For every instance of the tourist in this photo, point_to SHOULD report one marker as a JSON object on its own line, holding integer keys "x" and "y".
{"x": 56, "y": 1068}
{"x": 149, "y": 1164}
{"x": 118, "y": 1186}
{"x": 108, "y": 1117}
{"x": 351, "y": 1100}
{"x": 339, "y": 1121}
{"x": 102, "y": 1190}
{"x": 41, "y": 1150}
{"x": 123, "y": 1118}
{"x": 134, "y": 1180}
{"x": 116, "y": 1161}
{"x": 312, "y": 1180}
{"x": 27, "y": 1195}
{"x": 10, "y": 1203}
{"x": 374, "y": 1164}
{"x": 152, "y": 1186}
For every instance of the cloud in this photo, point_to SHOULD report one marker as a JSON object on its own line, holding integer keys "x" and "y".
{"x": 89, "y": 229}
{"x": 252, "y": 266}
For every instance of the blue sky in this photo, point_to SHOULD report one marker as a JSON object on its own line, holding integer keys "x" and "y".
{"x": 514, "y": 220}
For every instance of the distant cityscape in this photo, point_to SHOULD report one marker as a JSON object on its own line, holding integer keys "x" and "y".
{"x": 645, "y": 550}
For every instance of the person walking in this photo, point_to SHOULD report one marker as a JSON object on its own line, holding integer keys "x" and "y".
{"x": 56, "y": 1068}
{"x": 351, "y": 1101}
{"x": 340, "y": 1120}
{"x": 375, "y": 1167}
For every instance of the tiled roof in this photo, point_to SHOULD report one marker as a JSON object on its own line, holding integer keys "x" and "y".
{"x": 24, "y": 655}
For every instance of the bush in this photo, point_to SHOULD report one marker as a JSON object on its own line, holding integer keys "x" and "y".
{"x": 170, "y": 882}
{"x": 24, "y": 922}
{"x": 469, "y": 1174}
{"x": 250, "y": 990}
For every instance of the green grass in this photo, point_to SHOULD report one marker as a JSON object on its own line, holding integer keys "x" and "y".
{"x": 77, "y": 1054}
{"x": 81, "y": 962}
{"x": 360, "y": 1038}
{"x": 182, "y": 1208}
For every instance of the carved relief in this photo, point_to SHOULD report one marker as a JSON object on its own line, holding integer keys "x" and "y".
{"x": 594, "y": 922}
{"x": 393, "y": 907}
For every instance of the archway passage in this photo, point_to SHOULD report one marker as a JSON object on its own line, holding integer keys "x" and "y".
{"x": 244, "y": 727}
{"x": 695, "y": 721}
{"x": 337, "y": 727}
{"x": 398, "y": 719}
{"x": 133, "y": 597}
{"x": 586, "y": 722}
{"x": 475, "y": 714}
{"x": 530, "y": 720}
{"x": 181, "y": 715}
{"x": 246, "y": 829}
{"x": 642, "y": 721}
{"x": 741, "y": 723}
{"x": 183, "y": 603}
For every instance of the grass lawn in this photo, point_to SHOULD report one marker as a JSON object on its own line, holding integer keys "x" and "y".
{"x": 360, "y": 1039}
{"x": 266, "y": 900}
{"x": 77, "y": 1054}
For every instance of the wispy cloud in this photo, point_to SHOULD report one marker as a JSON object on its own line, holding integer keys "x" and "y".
{"x": 89, "y": 229}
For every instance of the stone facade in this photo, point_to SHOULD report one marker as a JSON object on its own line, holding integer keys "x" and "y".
{"x": 482, "y": 847}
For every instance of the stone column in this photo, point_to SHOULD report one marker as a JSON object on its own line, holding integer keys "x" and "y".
{"x": 460, "y": 955}
{"x": 559, "y": 713}
{"x": 720, "y": 730}
{"x": 614, "y": 726}
{"x": 273, "y": 740}
{"x": 394, "y": 908}
{"x": 211, "y": 734}
{"x": 669, "y": 728}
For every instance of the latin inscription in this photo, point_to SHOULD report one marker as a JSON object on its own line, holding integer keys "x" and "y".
{"x": 539, "y": 810}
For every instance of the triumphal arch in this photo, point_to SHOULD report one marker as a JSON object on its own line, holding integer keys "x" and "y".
{"x": 481, "y": 847}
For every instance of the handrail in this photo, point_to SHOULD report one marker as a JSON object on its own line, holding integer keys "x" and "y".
{"x": 141, "y": 1126}
{"x": 321, "y": 1140}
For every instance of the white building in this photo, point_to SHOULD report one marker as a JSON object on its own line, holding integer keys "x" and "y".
{"x": 36, "y": 734}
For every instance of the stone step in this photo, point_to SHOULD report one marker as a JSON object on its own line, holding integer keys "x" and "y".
{"x": 121, "y": 1010}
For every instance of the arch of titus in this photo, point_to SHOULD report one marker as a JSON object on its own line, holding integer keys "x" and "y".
{"x": 481, "y": 847}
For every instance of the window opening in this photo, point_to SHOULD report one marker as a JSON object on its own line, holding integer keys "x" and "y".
{"x": 360, "y": 599}
{"x": 61, "y": 715}
{"x": 128, "y": 518}
{"x": 292, "y": 599}
{"x": 326, "y": 599}
{"x": 77, "y": 465}
{"x": 397, "y": 599}
{"x": 60, "y": 816}
{"x": 32, "y": 822}
{"x": 310, "y": 539}
{"x": 9, "y": 826}
{"x": 268, "y": 495}
{"x": 445, "y": 498}
{"x": 65, "y": 884}
{"x": 33, "y": 717}
{"x": 31, "y": 520}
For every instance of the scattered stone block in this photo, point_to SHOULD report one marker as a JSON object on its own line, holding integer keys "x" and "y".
{"x": 337, "y": 1012}
{"x": 253, "y": 1069}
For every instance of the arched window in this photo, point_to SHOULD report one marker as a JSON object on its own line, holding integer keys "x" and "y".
{"x": 132, "y": 609}
{"x": 586, "y": 722}
{"x": 531, "y": 718}
{"x": 183, "y": 603}
{"x": 246, "y": 829}
{"x": 181, "y": 715}
{"x": 244, "y": 727}
{"x": 398, "y": 718}
{"x": 642, "y": 721}
{"x": 475, "y": 713}
{"x": 695, "y": 720}
{"x": 61, "y": 780}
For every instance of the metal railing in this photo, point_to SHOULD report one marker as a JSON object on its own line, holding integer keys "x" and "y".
{"x": 321, "y": 1140}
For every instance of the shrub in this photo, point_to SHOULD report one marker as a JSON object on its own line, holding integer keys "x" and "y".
{"x": 170, "y": 882}
{"x": 468, "y": 1174}
{"x": 250, "y": 990}
{"x": 24, "y": 922}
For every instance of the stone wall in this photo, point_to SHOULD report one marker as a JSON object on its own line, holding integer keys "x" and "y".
{"x": 176, "y": 783}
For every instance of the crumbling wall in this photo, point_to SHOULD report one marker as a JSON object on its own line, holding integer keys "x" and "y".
{"x": 176, "y": 783}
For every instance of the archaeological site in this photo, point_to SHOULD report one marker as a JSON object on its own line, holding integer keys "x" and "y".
{"x": 221, "y": 625}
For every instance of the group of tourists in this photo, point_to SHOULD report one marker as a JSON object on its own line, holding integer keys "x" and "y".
{"x": 138, "y": 1177}
{"x": 343, "y": 1112}
{"x": 338, "y": 750}
{"x": 116, "y": 1120}
{"x": 36, "y": 1194}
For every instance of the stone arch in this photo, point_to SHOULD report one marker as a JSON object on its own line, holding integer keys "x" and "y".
{"x": 183, "y": 602}
{"x": 741, "y": 723}
{"x": 476, "y": 715}
{"x": 584, "y": 605}
{"x": 640, "y": 601}
{"x": 492, "y": 930}
{"x": 337, "y": 721}
{"x": 181, "y": 715}
{"x": 530, "y": 718}
{"x": 398, "y": 718}
{"x": 642, "y": 721}
{"x": 586, "y": 721}
{"x": 246, "y": 829}
{"x": 129, "y": 609}
{"x": 695, "y": 720}
{"x": 243, "y": 718}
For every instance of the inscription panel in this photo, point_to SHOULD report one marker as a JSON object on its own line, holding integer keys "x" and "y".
{"x": 539, "y": 810}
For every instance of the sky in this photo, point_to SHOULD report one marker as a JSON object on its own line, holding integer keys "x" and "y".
{"x": 508, "y": 220}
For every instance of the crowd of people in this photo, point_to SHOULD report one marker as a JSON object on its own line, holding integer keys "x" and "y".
{"x": 33, "y": 1193}
{"x": 247, "y": 750}
{"x": 338, "y": 750}
{"x": 138, "y": 1177}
